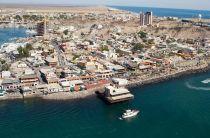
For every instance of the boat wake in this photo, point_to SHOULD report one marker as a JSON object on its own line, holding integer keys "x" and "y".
{"x": 197, "y": 88}
{"x": 120, "y": 118}
{"x": 206, "y": 81}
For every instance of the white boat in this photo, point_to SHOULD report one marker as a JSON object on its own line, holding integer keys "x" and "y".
{"x": 130, "y": 113}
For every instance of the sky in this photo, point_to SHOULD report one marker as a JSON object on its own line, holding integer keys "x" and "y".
{"x": 181, "y": 4}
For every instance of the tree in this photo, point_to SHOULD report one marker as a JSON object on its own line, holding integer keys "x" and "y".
{"x": 18, "y": 18}
{"x": 26, "y": 17}
{"x": 2, "y": 61}
{"x": 24, "y": 52}
{"x": 137, "y": 46}
{"x": 5, "y": 67}
{"x": 29, "y": 47}
{"x": 142, "y": 34}
{"x": 104, "y": 48}
{"x": 66, "y": 32}
{"x": 76, "y": 56}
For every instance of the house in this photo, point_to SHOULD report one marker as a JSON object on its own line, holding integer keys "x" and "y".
{"x": 2, "y": 90}
{"x": 48, "y": 75}
{"x": 51, "y": 61}
{"x": 29, "y": 80}
{"x": 10, "y": 84}
{"x": 5, "y": 74}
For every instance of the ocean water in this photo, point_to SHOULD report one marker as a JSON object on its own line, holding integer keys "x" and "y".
{"x": 6, "y": 34}
{"x": 161, "y": 12}
{"x": 178, "y": 108}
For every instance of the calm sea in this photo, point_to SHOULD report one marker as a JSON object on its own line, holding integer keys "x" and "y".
{"x": 161, "y": 12}
{"x": 179, "y": 108}
{"x": 6, "y": 34}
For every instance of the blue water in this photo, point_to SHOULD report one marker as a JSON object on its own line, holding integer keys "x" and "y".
{"x": 178, "y": 108}
{"x": 161, "y": 12}
{"x": 6, "y": 34}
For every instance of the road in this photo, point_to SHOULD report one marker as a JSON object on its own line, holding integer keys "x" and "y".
{"x": 61, "y": 59}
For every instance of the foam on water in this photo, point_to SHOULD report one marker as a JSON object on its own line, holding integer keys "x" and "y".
{"x": 197, "y": 88}
{"x": 206, "y": 81}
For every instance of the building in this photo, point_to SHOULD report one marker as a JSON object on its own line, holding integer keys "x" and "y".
{"x": 146, "y": 18}
{"x": 2, "y": 91}
{"x": 53, "y": 62}
{"x": 10, "y": 84}
{"x": 29, "y": 80}
{"x": 41, "y": 28}
{"x": 113, "y": 94}
{"x": 142, "y": 17}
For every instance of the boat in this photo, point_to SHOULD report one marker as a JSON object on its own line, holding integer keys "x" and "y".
{"x": 130, "y": 113}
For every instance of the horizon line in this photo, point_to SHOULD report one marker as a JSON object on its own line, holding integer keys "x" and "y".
{"x": 89, "y": 5}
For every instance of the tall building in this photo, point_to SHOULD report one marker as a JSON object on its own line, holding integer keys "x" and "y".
{"x": 146, "y": 18}
{"x": 41, "y": 28}
{"x": 142, "y": 17}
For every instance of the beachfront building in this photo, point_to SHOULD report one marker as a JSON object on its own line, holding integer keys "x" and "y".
{"x": 74, "y": 85}
{"x": 10, "y": 84}
{"x": 146, "y": 18}
{"x": 2, "y": 91}
{"x": 29, "y": 80}
{"x": 113, "y": 94}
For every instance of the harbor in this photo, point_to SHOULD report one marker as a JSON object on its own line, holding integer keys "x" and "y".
{"x": 78, "y": 72}
{"x": 91, "y": 116}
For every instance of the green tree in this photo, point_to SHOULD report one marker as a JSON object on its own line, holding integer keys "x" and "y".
{"x": 137, "y": 46}
{"x": 5, "y": 67}
{"x": 66, "y": 32}
{"x": 104, "y": 48}
{"x": 18, "y": 18}
{"x": 142, "y": 34}
{"x": 26, "y": 17}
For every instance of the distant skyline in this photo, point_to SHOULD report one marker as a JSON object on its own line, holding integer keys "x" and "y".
{"x": 180, "y": 4}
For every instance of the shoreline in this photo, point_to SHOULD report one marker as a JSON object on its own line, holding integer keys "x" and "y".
{"x": 168, "y": 77}
{"x": 91, "y": 92}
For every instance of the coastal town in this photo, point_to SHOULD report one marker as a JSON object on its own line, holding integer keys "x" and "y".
{"x": 73, "y": 52}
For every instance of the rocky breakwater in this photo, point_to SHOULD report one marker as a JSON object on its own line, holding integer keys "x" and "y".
{"x": 170, "y": 75}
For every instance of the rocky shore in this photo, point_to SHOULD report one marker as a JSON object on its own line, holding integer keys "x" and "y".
{"x": 172, "y": 75}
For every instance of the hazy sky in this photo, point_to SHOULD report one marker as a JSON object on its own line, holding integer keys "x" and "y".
{"x": 185, "y": 4}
